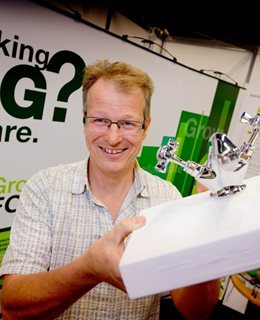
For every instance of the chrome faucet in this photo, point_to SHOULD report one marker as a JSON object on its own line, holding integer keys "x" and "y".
{"x": 224, "y": 171}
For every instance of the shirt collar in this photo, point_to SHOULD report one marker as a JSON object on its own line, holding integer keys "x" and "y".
{"x": 139, "y": 182}
{"x": 80, "y": 180}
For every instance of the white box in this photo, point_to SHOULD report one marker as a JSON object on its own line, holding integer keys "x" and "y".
{"x": 192, "y": 240}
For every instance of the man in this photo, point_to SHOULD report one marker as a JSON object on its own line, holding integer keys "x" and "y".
{"x": 72, "y": 221}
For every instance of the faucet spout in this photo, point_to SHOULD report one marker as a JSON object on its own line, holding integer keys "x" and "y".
{"x": 225, "y": 169}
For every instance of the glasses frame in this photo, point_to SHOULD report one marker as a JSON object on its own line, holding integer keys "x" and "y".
{"x": 142, "y": 124}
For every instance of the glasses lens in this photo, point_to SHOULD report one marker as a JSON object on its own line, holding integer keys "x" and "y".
{"x": 131, "y": 127}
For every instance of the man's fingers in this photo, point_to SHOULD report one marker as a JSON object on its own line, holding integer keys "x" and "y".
{"x": 127, "y": 226}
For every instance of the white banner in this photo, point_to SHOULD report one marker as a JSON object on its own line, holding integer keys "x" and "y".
{"x": 42, "y": 54}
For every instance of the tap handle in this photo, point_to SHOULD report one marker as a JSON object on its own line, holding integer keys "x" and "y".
{"x": 248, "y": 147}
{"x": 253, "y": 121}
{"x": 164, "y": 155}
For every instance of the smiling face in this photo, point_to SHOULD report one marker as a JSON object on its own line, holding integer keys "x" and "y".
{"x": 111, "y": 152}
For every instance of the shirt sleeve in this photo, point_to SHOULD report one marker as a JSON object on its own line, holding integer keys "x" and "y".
{"x": 29, "y": 249}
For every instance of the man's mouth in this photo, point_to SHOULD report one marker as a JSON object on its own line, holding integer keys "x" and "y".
{"x": 113, "y": 151}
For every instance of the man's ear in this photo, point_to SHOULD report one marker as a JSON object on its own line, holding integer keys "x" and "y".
{"x": 147, "y": 124}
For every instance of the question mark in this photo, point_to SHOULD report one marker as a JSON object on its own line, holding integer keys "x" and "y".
{"x": 54, "y": 65}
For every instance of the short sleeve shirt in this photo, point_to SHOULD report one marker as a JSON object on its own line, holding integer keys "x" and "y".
{"x": 58, "y": 219}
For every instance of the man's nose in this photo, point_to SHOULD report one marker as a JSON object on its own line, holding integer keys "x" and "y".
{"x": 113, "y": 133}
{"x": 113, "y": 122}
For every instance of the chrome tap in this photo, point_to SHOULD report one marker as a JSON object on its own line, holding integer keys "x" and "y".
{"x": 224, "y": 171}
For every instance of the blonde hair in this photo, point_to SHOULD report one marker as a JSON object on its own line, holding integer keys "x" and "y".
{"x": 124, "y": 75}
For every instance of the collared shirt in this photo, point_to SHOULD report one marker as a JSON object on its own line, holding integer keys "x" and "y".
{"x": 58, "y": 218}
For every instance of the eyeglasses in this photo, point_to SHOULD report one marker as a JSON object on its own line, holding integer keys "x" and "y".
{"x": 128, "y": 127}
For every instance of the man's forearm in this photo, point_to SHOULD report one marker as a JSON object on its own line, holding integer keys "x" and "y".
{"x": 45, "y": 295}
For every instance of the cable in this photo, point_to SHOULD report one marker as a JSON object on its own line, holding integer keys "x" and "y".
{"x": 150, "y": 42}
{"x": 219, "y": 73}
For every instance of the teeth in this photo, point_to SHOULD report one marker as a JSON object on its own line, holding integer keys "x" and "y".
{"x": 113, "y": 151}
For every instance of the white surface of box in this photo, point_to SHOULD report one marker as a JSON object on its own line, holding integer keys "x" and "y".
{"x": 192, "y": 240}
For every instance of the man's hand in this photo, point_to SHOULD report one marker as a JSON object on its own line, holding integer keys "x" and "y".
{"x": 201, "y": 187}
{"x": 198, "y": 301}
{"x": 105, "y": 253}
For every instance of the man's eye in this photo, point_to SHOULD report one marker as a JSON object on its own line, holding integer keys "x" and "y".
{"x": 127, "y": 123}
{"x": 101, "y": 121}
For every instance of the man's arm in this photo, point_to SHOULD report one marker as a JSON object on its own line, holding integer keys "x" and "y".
{"x": 46, "y": 295}
{"x": 198, "y": 301}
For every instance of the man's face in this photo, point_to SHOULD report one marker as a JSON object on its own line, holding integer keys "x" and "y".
{"x": 113, "y": 150}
